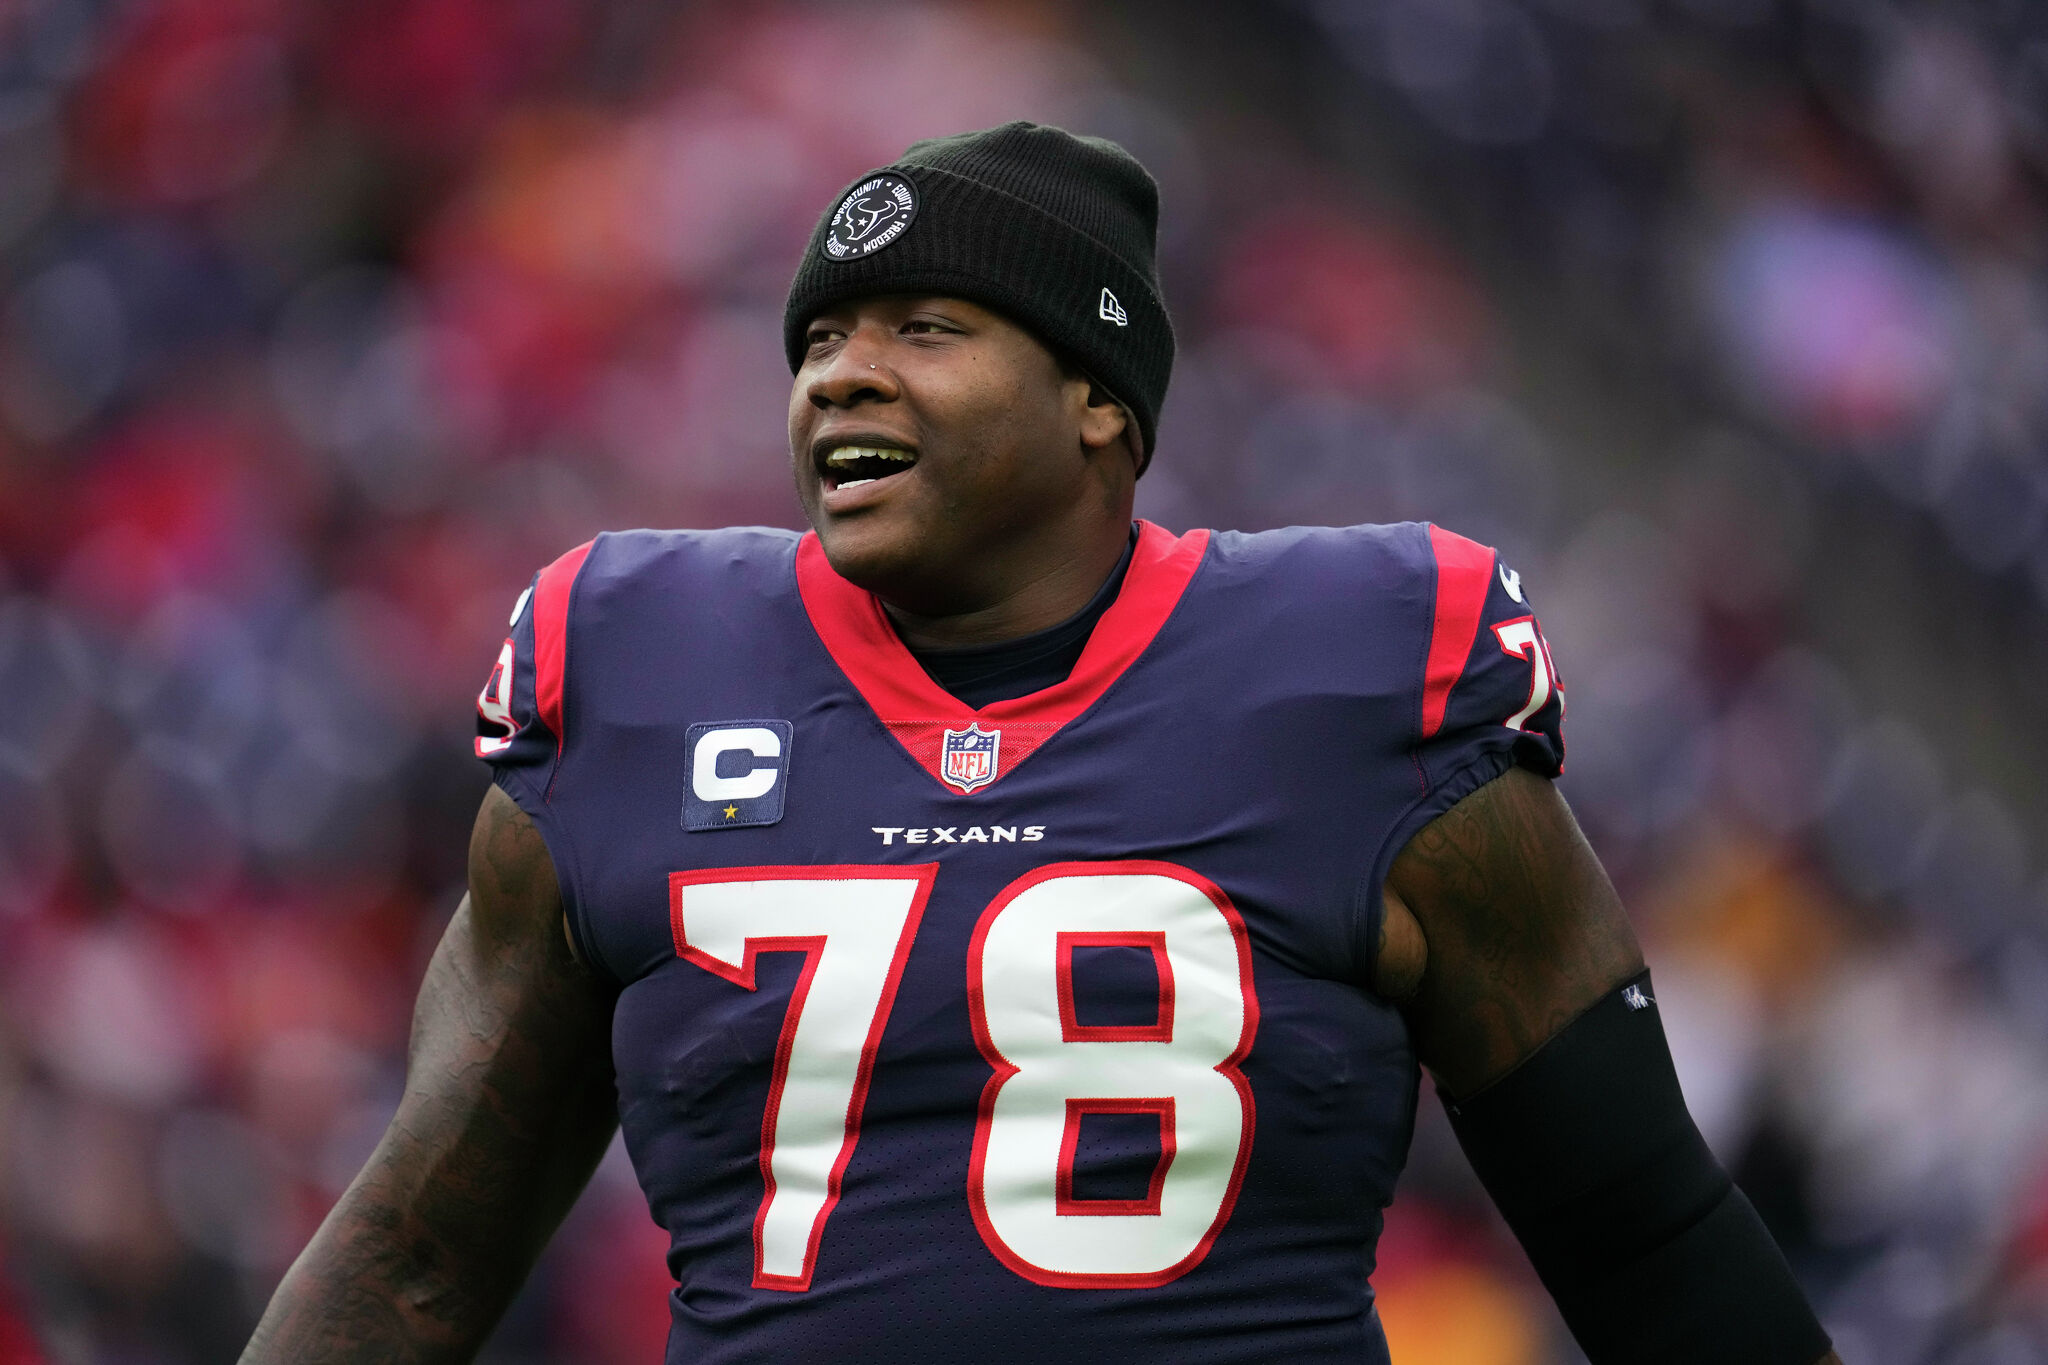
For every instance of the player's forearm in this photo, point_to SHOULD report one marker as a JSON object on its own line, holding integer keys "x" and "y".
{"x": 419, "y": 1259}
{"x": 375, "y": 1284}
{"x": 508, "y": 1106}
{"x": 1542, "y": 1028}
{"x": 421, "y": 1256}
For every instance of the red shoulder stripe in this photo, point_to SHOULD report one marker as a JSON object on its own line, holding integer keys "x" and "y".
{"x": 1464, "y": 574}
{"x": 551, "y": 636}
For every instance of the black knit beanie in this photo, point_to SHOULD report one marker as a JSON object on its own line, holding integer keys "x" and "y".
{"x": 1052, "y": 230}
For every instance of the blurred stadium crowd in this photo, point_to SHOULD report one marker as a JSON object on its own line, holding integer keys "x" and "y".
{"x": 323, "y": 326}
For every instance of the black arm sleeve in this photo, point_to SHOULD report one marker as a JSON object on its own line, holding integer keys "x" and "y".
{"x": 1647, "y": 1246}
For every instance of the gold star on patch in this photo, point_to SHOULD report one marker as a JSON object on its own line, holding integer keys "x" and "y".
{"x": 732, "y": 812}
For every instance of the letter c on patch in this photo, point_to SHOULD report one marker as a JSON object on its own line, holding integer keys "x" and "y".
{"x": 756, "y": 781}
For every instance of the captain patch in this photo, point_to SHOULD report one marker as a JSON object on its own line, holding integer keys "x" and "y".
{"x": 736, "y": 773}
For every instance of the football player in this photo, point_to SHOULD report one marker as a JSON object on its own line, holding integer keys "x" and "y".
{"x": 1006, "y": 932}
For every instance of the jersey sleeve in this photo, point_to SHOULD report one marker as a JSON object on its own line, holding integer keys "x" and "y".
{"x": 1491, "y": 698}
{"x": 522, "y": 729}
{"x": 519, "y": 725}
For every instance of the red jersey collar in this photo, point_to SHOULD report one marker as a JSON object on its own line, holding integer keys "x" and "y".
{"x": 857, "y": 634}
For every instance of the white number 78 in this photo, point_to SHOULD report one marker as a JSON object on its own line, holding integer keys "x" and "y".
{"x": 855, "y": 926}
{"x": 1521, "y": 638}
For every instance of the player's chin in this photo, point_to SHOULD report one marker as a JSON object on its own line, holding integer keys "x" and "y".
{"x": 873, "y": 547}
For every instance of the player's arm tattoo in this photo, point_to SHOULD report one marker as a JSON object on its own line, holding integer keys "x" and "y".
{"x": 508, "y": 1105}
{"x": 1523, "y": 929}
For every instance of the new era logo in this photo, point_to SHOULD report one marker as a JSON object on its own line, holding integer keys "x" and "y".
{"x": 1109, "y": 310}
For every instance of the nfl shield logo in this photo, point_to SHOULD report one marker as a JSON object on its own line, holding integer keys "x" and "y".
{"x": 968, "y": 759}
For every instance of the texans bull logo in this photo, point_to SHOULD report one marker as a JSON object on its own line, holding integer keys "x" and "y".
{"x": 873, "y": 214}
{"x": 867, "y": 213}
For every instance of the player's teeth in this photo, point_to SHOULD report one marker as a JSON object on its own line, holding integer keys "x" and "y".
{"x": 848, "y": 454}
{"x": 855, "y": 483}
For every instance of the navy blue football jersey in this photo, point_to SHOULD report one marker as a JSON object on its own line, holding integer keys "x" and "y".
{"x": 1037, "y": 1032}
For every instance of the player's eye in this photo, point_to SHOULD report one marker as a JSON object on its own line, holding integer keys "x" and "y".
{"x": 819, "y": 336}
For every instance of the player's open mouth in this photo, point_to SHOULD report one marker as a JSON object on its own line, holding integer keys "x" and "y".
{"x": 848, "y": 467}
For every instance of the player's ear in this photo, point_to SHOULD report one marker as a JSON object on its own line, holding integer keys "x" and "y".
{"x": 1104, "y": 422}
{"x": 1103, "y": 419}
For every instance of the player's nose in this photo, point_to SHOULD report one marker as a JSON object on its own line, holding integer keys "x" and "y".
{"x": 857, "y": 372}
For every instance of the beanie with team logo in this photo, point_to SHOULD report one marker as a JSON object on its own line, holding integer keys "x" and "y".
{"x": 1053, "y": 230}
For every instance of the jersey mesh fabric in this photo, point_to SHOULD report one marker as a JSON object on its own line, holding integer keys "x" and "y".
{"x": 1269, "y": 742}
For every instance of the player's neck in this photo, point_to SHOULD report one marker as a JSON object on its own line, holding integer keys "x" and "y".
{"x": 1038, "y": 600}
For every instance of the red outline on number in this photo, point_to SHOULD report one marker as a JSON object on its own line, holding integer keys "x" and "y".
{"x": 507, "y": 656}
{"x": 1540, "y": 667}
{"x": 1063, "y": 1200}
{"x": 1228, "y": 1068}
{"x": 1072, "y": 1030}
{"x": 811, "y": 945}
